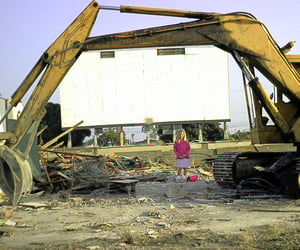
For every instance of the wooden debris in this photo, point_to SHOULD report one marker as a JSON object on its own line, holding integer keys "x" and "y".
{"x": 64, "y": 176}
{"x": 206, "y": 173}
{"x": 51, "y": 142}
{"x": 83, "y": 173}
{"x": 33, "y": 204}
{"x": 5, "y": 213}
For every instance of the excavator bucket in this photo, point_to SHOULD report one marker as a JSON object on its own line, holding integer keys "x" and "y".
{"x": 15, "y": 174}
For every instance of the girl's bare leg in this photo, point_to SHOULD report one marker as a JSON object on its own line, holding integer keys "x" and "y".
{"x": 178, "y": 174}
{"x": 185, "y": 170}
{"x": 179, "y": 171}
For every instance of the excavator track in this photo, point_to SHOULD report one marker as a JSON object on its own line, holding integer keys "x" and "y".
{"x": 277, "y": 172}
{"x": 223, "y": 169}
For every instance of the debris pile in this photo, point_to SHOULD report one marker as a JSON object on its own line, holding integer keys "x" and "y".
{"x": 84, "y": 174}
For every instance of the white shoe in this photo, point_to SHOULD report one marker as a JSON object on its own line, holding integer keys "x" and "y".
{"x": 184, "y": 179}
{"x": 177, "y": 179}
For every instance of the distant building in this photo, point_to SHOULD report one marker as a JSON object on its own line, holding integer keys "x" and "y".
{"x": 13, "y": 115}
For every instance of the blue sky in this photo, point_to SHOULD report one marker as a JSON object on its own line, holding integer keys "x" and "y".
{"x": 29, "y": 27}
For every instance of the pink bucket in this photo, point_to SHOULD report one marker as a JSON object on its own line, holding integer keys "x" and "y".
{"x": 193, "y": 178}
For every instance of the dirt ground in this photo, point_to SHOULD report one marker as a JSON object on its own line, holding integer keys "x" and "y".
{"x": 119, "y": 221}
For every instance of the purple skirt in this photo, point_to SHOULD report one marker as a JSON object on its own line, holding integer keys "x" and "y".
{"x": 183, "y": 163}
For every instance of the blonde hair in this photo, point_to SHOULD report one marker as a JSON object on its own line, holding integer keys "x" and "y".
{"x": 178, "y": 135}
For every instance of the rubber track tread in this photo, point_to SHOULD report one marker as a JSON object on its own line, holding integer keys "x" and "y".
{"x": 222, "y": 169}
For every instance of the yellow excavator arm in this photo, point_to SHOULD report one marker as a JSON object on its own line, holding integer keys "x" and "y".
{"x": 248, "y": 41}
{"x": 240, "y": 34}
{"x": 16, "y": 166}
{"x": 56, "y": 61}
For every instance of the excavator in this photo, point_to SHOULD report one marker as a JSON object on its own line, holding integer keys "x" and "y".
{"x": 239, "y": 33}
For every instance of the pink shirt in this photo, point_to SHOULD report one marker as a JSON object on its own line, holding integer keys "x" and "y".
{"x": 182, "y": 148}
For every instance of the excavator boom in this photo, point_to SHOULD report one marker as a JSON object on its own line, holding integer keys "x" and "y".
{"x": 57, "y": 60}
{"x": 16, "y": 166}
{"x": 240, "y": 34}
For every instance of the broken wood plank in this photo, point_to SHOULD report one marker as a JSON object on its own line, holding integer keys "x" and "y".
{"x": 63, "y": 175}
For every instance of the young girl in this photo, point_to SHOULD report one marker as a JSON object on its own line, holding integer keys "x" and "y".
{"x": 182, "y": 151}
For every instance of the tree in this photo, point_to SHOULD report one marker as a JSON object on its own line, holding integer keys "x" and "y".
{"x": 191, "y": 131}
{"x": 79, "y": 135}
{"x": 109, "y": 137}
{"x": 166, "y": 138}
{"x": 52, "y": 119}
{"x": 241, "y": 135}
{"x": 211, "y": 132}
